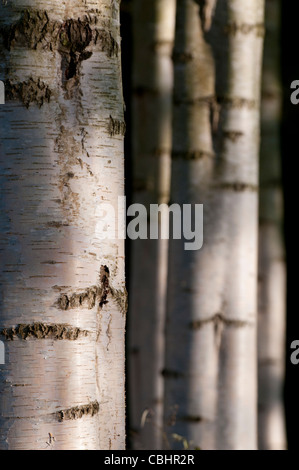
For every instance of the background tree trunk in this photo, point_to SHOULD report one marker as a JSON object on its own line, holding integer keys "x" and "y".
{"x": 63, "y": 298}
{"x": 212, "y": 294}
{"x": 237, "y": 38}
{"x": 153, "y": 28}
{"x": 191, "y": 353}
{"x": 272, "y": 270}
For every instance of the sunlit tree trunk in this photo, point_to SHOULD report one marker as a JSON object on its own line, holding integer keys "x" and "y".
{"x": 153, "y": 26}
{"x": 63, "y": 298}
{"x": 272, "y": 295}
{"x": 211, "y": 354}
{"x": 238, "y": 52}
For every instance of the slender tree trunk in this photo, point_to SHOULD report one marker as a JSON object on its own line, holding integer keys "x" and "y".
{"x": 63, "y": 298}
{"x": 211, "y": 388}
{"x": 272, "y": 271}
{"x": 191, "y": 354}
{"x": 242, "y": 30}
{"x": 153, "y": 82}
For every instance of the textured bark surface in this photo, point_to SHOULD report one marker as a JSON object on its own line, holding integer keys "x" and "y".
{"x": 272, "y": 269}
{"x": 63, "y": 298}
{"x": 152, "y": 100}
{"x": 191, "y": 361}
{"x": 211, "y": 387}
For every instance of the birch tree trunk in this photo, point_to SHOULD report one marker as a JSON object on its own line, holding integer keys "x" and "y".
{"x": 63, "y": 298}
{"x": 239, "y": 93}
{"x": 191, "y": 358}
{"x": 153, "y": 22}
{"x": 211, "y": 389}
{"x": 272, "y": 270}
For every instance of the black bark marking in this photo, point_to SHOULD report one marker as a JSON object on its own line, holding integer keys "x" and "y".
{"x": 217, "y": 319}
{"x": 95, "y": 295}
{"x": 43, "y": 331}
{"x": 208, "y": 100}
{"x": 20, "y": 385}
{"x": 28, "y": 92}
{"x": 86, "y": 298}
{"x": 162, "y": 45}
{"x": 116, "y": 127}
{"x": 239, "y": 187}
{"x": 75, "y": 36}
{"x": 51, "y": 262}
{"x": 172, "y": 374}
{"x": 191, "y": 419}
{"x": 120, "y": 296}
{"x": 56, "y": 224}
{"x": 232, "y": 135}
{"x": 141, "y": 91}
{"x": 108, "y": 44}
{"x": 268, "y": 361}
{"x": 245, "y": 28}
{"x": 159, "y": 152}
{"x": 104, "y": 279}
{"x": 135, "y": 351}
{"x": 195, "y": 155}
{"x": 34, "y": 29}
{"x": 63, "y": 302}
{"x": 237, "y": 102}
{"x": 77, "y": 412}
{"x": 182, "y": 57}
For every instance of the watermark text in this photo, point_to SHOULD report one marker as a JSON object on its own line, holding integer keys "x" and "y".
{"x": 2, "y": 353}
{"x": 295, "y": 94}
{"x": 161, "y": 221}
{"x": 2, "y": 92}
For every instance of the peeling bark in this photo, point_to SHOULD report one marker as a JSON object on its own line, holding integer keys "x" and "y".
{"x": 35, "y": 30}
{"x": 95, "y": 295}
{"x": 116, "y": 127}
{"x": 29, "y": 92}
{"x": 78, "y": 411}
{"x": 42, "y": 331}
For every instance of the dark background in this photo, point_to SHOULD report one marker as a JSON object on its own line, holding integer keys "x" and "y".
{"x": 290, "y": 156}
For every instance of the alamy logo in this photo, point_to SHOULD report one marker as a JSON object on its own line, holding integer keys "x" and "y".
{"x": 295, "y": 94}
{"x": 2, "y": 353}
{"x": 2, "y": 92}
{"x": 187, "y": 222}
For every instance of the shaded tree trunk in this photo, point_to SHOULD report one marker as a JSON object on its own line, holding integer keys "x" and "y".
{"x": 211, "y": 387}
{"x": 191, "y": 354}
{"x": 272, "y": 270}
{"x": 153, "y": 22}
{"x": 238, "y": 52}
{"x": 63, "y": 298}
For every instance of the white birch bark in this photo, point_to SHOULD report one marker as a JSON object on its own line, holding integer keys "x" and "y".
{"x": 212, "y": 293}
{"x": 153, "y": 26}
{"x": 238, "y": 174}
{"x": 191, "y": 354}
{"x": 272, "y": 270}
{"x": 62, "y": 286}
